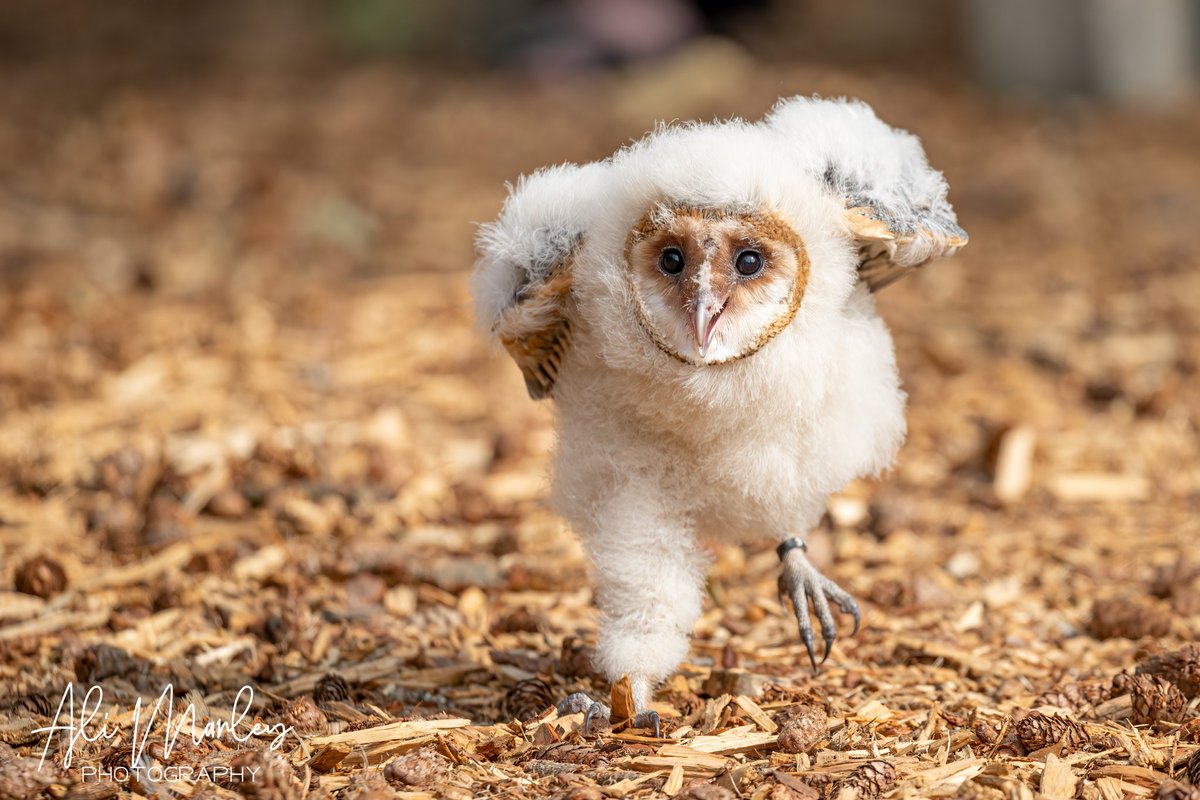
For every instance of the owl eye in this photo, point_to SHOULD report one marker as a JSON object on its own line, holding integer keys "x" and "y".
{"x": 671, "y": 261}
{"x": 748, "y": 263}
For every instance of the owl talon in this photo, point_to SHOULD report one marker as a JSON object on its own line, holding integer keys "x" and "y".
{"x": 648, "y": 720}
{"x": 578, "y": 701}
{"x": 808, "y": 645}
{"x": 803, "y": 584}
{"x": 594, "y": 712}
{"x": 573, "y": 704}
{"x": 851, "y": 607}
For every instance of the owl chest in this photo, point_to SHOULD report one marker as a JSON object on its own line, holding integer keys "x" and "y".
{"x": 739, "y": 479}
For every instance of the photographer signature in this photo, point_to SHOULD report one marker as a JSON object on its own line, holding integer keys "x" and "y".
{"x": 80, "y": 725}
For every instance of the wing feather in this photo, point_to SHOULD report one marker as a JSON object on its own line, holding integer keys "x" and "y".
{"x": 524, "y": 274}
{"x": 886, "y": 255}
{"x": 897, "y": 213}
{"x": 536, "y": 330}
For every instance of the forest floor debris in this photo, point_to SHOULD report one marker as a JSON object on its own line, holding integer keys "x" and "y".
{"x": 251, "y": 437}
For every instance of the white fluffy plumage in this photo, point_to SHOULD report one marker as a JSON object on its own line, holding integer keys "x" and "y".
{"x": 657, "y": 453}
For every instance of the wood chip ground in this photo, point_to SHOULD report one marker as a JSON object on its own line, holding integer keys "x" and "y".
{"x": 251, "y": 437}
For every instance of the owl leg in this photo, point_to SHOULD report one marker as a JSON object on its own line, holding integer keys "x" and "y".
{"x": 596, "y": 711}
{"x": 649, "y": 581}
{"x": 803, "y": 583}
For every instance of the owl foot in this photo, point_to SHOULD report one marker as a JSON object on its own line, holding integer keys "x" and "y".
{"x": 598, "y": 712}
{"x": 803, "y": 583}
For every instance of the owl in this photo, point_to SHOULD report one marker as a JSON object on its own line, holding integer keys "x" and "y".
{"x": 700, "y": 308}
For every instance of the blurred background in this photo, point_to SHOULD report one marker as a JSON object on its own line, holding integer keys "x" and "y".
{"x": 248, "y": 425}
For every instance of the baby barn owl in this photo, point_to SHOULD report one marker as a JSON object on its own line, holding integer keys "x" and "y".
{"x": 700, "y": 308}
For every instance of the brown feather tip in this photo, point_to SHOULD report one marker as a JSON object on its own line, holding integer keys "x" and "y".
{"x": 536, "y": 332}
{"x": 865, "y": 225}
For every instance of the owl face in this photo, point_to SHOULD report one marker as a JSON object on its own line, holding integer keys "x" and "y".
{"x": 713, "y": 285}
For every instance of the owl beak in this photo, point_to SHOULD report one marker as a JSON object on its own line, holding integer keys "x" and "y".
{"x": 704, "y": 322}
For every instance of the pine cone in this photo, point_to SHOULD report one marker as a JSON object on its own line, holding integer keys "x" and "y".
{"x": 528, "y": 698}
{"x": 364, "y": 723}
{"x": 1120, "y": 618}
{"x": 303, "y": 715}
{"x": 332, "y": 688}
{"x": 40, "y": 576}
{"x": 804, "y": 727}
{"x": 23, "y": 777}
{"x": 418, "y": 768}
{"x": 1173, "y": 790}
{"x": 265, "y": 774}
{"x": 119, "y": 756}
{"x": 1036, "y": 730}
{"x": 1080, "y": 697}
{"x": 1122, "y": 683}
{"x": 1156, "y": 699}
{"x": 1062, "y": 698}
{"x": 870, "y": 780}
{"x": 32, "y": 702}
{"x": 1181, "y": 667}
{"x": 547, "y": 769}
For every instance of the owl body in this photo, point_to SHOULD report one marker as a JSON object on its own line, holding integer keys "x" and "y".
{"x": 740, "y": 448}
{"x": 700, "y": 308}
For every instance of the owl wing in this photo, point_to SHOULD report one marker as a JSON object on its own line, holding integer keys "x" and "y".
{"x": 897, "y": 212}
{"x": 524, "y": 274}
{"x": 536, "y": 329}
{"x": 892, "y": 245}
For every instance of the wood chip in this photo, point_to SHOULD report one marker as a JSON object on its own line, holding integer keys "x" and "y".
{"x": 733, "y": 742}
{"x": 735, "y": 682}
{"x": 623, "y": 707}
{"x": 693, "y": 762}
{"x": 674, "y": 781}
{"x": 1058, "y": 781}
{"x": 1085, "y": 487}
{"x": 1014, "y": 463}
{"x": 755, "y": 713}
{"x": 394, "y": 731}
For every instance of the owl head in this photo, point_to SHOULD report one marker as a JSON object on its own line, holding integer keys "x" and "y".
{"x": 714, "y": 284}
{"x": 719, "y": 235}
